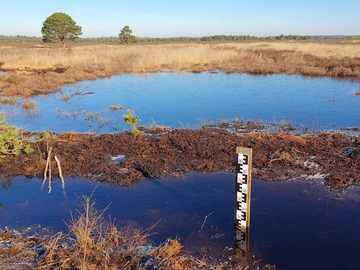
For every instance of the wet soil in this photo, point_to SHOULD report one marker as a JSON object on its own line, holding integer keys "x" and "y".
{"x": 162, "y": 152}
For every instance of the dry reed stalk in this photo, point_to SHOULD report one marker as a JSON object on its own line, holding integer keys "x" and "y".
{"x": 149, "y": 55}
{"x": 51, "y": 67}
{"x": 52, "y": 257}
{"x": 93, "y": 244}
{"x": 94, "y": 241}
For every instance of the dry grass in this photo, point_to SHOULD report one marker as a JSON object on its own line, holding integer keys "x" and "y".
{"x": 27, "y": 104}
{"x": 93, "y": 243}
{"x": 36, "y": 70}
{"x": 318, "y": 49}
{"x": 8, "y": 101}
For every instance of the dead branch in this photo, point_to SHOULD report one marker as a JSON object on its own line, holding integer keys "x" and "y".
{"x": 47, "y": 171}
{"x": 48, "y": 164}
{"x": 60, "y": 171}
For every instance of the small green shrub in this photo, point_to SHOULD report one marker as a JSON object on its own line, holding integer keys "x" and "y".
{"x": 12, "y": 141}
{"x": 47, "y": 135}
{"x": 132, "y": 119}
{"x": 28, "y": 150}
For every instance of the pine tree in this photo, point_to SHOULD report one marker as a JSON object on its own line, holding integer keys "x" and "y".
{"x": 60, "y": 27}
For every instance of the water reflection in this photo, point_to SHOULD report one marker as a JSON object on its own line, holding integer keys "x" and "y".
{"x": 187, "y": 99}
{"x": 295, "y": 224}
{"x": 5, "y": 185}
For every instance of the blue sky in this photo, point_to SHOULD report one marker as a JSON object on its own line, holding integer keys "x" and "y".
{"x": 190, "y": 18}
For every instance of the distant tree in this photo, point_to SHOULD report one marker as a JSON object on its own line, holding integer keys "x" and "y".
{"x": 60, "y": 26}
{"x": 126, "y": 35}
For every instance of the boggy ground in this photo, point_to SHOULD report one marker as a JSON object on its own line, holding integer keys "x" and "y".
{"x": 162, "y": 152}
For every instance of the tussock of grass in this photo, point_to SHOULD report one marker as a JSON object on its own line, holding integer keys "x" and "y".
{"x": 93, "y": 243}
{"x": 116, "y": 107}
{"x": 41, "y": 70}
{"x": 8, "y": 101}
{"x": 28, "y": 104}
{"x": 65, "y": 98}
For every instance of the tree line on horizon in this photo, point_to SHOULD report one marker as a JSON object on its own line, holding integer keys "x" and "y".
{"x": 19, "y": 39}
{"x": 60, "y": 27}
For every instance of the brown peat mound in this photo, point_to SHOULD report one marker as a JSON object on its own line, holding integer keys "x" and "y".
{"x": 161, "y": 152}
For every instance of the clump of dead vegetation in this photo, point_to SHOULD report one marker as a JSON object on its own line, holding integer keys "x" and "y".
{"x": 34, "y": 70}
{"x": 93, "y": 243}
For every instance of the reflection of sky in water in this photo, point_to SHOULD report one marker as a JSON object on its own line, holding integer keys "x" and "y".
{"x": 294, "y": 224}
{"x": 187, "y": 99}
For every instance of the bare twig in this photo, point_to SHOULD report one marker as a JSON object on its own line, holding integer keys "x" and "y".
{"x": 48, "y": 164}
{"x": 60, "y": 171}
{"x": 47, "y": 171}
{"x": 206, "y": 217}
{"x": 218, "y": 235}
{"x": 275, "y": 159}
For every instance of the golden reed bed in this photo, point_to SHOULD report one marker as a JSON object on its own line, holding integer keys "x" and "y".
{"x": 42, "y": 69}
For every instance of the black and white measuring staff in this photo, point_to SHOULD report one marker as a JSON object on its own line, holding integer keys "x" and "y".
{"x": 243, "y": 197}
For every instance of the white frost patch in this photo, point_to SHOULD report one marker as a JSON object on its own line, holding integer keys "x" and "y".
{"x": 316, "y": 176}
{"x": 310, "y": 164}
{"x": 118, "y": 158}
